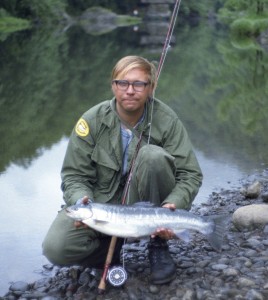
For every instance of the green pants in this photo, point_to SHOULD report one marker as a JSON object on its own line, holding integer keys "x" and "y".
{"x": 153, "y": 179}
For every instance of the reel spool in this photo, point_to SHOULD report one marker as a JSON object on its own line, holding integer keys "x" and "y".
{"x": 117, "y": 276}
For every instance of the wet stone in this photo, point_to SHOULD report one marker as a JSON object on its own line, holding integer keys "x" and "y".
{"x": 19, "y": 287}
{"x": 254, "y": 295}
{"x": 153, "y": 289}
{"x": 245, "y": 282}
{"x": 219, "y": 267}
{"x": 230, "y": 272}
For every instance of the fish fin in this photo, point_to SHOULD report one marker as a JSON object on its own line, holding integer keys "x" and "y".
{"x": 183, "y": 235}
{"x": 145, "y": 204}
{"x": 215, "y": 238}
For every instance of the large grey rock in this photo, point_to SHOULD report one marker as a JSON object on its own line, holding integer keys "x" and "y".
{"x": 250, "y": 216}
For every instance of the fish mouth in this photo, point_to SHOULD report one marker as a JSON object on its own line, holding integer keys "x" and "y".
{"x": 69, "y": 212}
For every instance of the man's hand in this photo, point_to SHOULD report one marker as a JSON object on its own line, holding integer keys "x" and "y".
{"x": 78, "y": 224}
{"x": 165, "y": 233}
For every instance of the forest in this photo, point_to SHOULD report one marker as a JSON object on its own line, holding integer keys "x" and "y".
{"x": 245, "y": 17}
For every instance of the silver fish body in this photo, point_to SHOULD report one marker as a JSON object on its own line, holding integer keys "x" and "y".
{"x": 138, "y": 221}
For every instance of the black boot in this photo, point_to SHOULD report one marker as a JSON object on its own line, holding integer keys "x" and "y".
{"x": 163, "y": 268}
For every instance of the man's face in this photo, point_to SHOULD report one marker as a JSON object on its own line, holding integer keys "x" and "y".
{"x": 131, "y": 99}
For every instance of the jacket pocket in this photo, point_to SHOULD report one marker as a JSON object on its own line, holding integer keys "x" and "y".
{"x": 107, "y": 166}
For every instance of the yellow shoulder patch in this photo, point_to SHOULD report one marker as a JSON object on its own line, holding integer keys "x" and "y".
{"x": 82, "y": 128}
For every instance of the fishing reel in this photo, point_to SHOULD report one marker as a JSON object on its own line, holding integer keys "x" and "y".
{"x": 117, "y": 276}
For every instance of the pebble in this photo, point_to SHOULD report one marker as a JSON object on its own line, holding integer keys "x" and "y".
{"x": 219, "y": 267}
{"x": 19, "y": 286}
{"x": 153, "y": 289}
{"x": 239, "y": 271}
{"x": 230, "y": 272}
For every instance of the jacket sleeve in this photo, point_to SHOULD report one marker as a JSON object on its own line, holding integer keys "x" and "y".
{"x": 78, "y": 173}
{"x": 188, "y": 174}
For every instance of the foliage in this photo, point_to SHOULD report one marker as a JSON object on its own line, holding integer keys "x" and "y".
{"x": 51, "y": 11}
{"x": 192, "y": 8}
{"x": 46, "y": 11}
{"x": 11, "y": 24}
{"x": 248, "y": 26}
{"x": 218, "y": 84}
{"x": 57, "y": 77}
{"x": 234, "y": 9}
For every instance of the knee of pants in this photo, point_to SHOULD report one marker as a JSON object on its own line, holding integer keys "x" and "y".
{"x": 66, "y": 245}
{"x": 155, "y": 157}
{"x": 66, "y": 254}
{"x": 53, "y": 250}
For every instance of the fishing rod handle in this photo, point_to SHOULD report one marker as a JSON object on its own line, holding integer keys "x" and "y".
{"x": 109, "y": 257}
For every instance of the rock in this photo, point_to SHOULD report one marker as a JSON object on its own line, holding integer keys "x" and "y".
{"x": 219, "y": 267}
{"x": 250, "y": 217}
{"x": 153, "y": 289}
{"x": 264, "y": 197}
{"x": 254, "y": 295}
{"x": 253, "y": 190}
{"x": 245, "y": 282}
{"x": 230, "y": 272}
{"x": 19, "y": 286}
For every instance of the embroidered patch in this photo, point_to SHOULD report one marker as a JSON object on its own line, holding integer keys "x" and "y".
{"x": 82, "y": 128}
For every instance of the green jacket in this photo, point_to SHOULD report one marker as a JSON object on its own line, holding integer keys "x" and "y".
{"x": 93, "y": 162}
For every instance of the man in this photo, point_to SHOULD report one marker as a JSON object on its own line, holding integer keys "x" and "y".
{"x": 100, "y": 157}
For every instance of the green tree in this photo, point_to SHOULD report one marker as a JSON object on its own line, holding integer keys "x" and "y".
{"x": 38, "y": 11}
{"x": 238, "y": 8}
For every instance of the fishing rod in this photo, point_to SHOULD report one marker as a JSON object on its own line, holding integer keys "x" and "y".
{"x": 118, "y": 275}
{"x": 168, "y": 37}
{"x": 164, "y": 54}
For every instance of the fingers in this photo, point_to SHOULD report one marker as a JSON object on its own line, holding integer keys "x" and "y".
{"x": 164, "y": 233}
{"x": 171, "y": 206}
{"x": 85, "y": 200}
{"x": 79, "y": 224}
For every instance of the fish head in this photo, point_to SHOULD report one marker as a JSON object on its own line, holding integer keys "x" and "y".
{"x": 79, "y": 212}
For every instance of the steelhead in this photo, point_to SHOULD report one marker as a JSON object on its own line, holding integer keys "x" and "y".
{"x": 140, "y": 220}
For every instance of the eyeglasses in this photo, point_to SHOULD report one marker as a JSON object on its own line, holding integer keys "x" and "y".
{"x": 138, "y": 86}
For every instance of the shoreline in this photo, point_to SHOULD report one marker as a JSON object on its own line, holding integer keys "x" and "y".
{"x": 239, "y": 271}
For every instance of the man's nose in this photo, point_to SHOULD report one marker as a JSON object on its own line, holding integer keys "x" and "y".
{"x": 130, "y": 89}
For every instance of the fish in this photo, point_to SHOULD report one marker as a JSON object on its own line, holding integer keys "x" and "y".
{"x": 142, "y": 220}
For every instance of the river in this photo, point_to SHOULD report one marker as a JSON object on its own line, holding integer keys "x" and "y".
{"x": 49, "y": 78}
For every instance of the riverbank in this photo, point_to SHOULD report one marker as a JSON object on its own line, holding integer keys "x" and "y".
{"x": 239, "y": 271}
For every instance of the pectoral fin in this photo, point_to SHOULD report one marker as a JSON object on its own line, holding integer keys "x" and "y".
{"x": 183, "y": 235}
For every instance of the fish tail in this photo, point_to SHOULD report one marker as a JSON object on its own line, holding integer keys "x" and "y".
{"x": 219, "y": 224}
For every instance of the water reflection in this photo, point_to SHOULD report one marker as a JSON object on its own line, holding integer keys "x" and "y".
{"x": 48, "y": 80}
{"x": 30, "y": 200}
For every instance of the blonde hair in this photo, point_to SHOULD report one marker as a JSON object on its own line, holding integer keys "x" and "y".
{"x": 128, "y": 63}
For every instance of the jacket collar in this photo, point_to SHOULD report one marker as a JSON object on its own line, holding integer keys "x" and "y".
{"x": 144, "y": 125}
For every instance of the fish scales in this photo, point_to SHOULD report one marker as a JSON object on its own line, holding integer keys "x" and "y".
{"x": 157, "y": 217}
{"x": 138, "y": 221}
